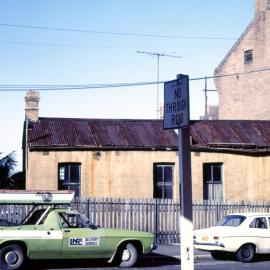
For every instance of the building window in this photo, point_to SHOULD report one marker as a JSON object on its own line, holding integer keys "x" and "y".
{"x": 69, "y": 177}
{"x": 163, "y": 180}
{"x": 212, "y": 181}
{"x": 248, "y": 56}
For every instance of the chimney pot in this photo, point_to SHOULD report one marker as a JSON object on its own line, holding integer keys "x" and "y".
{"x": 31, "y": 105}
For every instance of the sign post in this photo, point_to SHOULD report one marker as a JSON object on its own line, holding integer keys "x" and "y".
{"x": 176, "y": 115}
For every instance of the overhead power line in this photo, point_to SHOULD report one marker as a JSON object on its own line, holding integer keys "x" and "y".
{"x": 46, "y": 28}
{"x": 55, "y": 87}
{"x": 99, "y": 46}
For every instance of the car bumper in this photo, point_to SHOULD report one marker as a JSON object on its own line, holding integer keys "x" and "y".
{"x": 209, "y": 246}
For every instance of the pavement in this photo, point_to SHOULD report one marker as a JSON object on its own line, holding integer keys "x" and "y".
{"x": 173, "y": 251}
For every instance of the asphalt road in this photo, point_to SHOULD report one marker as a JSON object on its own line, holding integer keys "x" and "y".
{"x": 164, "y": 257}
{"x": 148, "y": 263}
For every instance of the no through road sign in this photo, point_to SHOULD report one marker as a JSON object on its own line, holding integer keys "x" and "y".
{"x": 176, "y": 103}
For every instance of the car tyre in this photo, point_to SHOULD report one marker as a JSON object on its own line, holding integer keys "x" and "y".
{"x": 246, "y": 253}
{"x": 128, "y": 256}
{"x": 11, "y": 257}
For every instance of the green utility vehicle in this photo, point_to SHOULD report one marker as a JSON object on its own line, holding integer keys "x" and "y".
{"x": 54, "y": 232}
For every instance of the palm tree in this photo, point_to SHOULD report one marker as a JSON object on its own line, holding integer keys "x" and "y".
{"x": 7, "y": 168}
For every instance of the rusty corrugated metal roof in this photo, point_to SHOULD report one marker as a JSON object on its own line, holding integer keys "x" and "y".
{"x": 99, "y": 133}
{"x": 235, "y": 134}
{"x": 216, "y": 135}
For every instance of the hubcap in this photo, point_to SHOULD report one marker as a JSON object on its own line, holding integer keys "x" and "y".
{"x": 246, "y": 253}
{"x": 126, "y": 255}
{"x": 11, "y": 257}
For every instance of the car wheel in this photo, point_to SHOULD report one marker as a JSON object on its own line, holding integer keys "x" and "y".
{"x": 246, "y": 253}
{"x": 128, "y": 256}
{"x": 218, "y": 255}
{"x": 11, "y": 257}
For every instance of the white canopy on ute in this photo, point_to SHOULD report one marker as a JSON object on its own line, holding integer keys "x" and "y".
{"x": 36, "y": 197}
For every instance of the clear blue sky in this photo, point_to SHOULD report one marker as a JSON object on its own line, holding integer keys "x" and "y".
{"x": 36, "y": 56}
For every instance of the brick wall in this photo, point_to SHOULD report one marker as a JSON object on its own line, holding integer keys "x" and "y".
{"x": 246, "y": 96}
{"x": 127, "y": 174}
{"x": 244, "y": 177}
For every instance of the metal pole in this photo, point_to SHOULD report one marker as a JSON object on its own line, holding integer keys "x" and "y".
{"x": 158, "y": 55}
{"x": 185, "y": 189}
{"x": 206, "y": 99}
{"x": 186, "y": 220}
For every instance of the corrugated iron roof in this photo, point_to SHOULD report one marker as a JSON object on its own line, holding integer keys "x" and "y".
{"x": 99, "y": 133}
{"x": 216, "y": 135}
{"x": 236, "y": 134}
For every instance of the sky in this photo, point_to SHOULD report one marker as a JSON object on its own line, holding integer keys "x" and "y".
{"x": 75, "y": 42}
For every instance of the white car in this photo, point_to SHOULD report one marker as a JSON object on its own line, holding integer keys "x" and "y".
{"x": 242, "y": 234}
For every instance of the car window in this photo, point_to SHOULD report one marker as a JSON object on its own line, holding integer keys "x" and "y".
{"x": 70, "y": 220}
{"x": 75, "y": 220}
{"x": 231, "y": 220}
{"x": 34, "y": 218}
{"x": 259, "y": 223}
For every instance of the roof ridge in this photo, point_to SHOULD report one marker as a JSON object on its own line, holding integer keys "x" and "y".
{"x": 100, "y": 119}
{"x": 234, "y": 46}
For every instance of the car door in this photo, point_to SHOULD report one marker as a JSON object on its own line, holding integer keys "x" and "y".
{"x": 43, "y": 237}
{"x": 80, "y": 239}
{"x": 260, "y": 233}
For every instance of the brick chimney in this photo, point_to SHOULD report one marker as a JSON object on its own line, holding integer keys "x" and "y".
{"x": 31, "y": 105}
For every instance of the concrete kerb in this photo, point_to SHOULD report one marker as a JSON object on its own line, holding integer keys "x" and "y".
{"x": 173, "y": 251}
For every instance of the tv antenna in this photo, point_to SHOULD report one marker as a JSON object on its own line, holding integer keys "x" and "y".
{"x": 158, "y": 55}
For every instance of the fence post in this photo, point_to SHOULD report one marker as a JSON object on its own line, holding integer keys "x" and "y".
{"x": 157, "y": 207}
{"x": 88, "y": 208}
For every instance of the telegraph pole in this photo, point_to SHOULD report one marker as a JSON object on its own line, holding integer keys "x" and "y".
{"x": 206, "y": 97}
{"x": 158, "y": 55}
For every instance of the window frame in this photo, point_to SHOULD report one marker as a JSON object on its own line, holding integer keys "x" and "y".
{"x": 212, "y": 180}
{"x": 69, "y": 183}
{"x": 212, "y": 164}
{"x": 248, "y": 56}
{"x": 163, "y": 184}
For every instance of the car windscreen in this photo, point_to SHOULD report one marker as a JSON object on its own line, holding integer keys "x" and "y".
{"x": 231, "y": 220}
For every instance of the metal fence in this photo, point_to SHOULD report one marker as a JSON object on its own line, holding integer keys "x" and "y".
{"x": 161, "y": 217}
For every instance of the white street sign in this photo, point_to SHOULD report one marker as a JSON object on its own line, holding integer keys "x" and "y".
{"x": 176, "y": 103}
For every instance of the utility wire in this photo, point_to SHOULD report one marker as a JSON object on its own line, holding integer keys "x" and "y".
{"x": 100, "y": 46}
{"x": 110, "y": 33}
{"x": 54, "y": 87}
